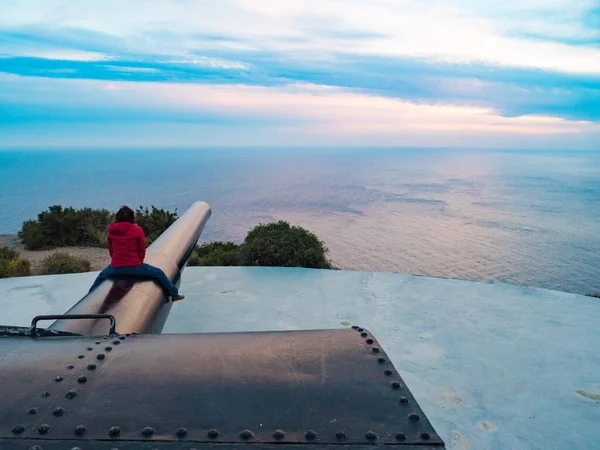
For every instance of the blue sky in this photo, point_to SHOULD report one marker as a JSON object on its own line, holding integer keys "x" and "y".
{"x": 516, "y": 74}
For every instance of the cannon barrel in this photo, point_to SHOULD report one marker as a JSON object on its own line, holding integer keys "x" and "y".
{"x": 140, "y": 305}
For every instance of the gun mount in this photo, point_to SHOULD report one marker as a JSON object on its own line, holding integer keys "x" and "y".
{"x": 71, "y": 387}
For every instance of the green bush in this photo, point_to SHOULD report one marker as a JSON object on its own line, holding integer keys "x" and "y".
{"x": 218, "y": 254}
{"x": 596, "y": 294}
{"x": 19, "y": 267}
{"x": 280, "y": 244}
{"x": 62, "y": 262}
{"x": 4, "y": 268}
{"x": 8, "y": 253}
{"x": 87, "y": 227}
{"x": 194, "y": 260}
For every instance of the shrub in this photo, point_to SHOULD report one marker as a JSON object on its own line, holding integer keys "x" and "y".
{"x": 194, "y": 260}
{"x": 154, "y": 222}
{"x": 280, "y": 244}
{"x": 4, "y": 268}
{"x": 19, "y": 267}
{"x": 62, "y": 262}
{"x": 595, "y": 294}
{"x": 8, "y": 253}
{"x": 218, "y": 254}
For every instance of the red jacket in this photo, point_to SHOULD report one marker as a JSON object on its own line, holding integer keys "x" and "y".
{"x": 126, "y": 244}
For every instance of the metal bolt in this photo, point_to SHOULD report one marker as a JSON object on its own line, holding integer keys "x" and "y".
{"x": 414, "y": 417}
{"x": 381, "y": 360}
{"x": 97, "y": 342}
{"x": 278, "y": 434}
{"x": 364, "y": 334}
{"x": 148, "y": 431}
{"x": 360, "y": 330}
{"x": 310, "y": 435}
{"x": 114, "y": 431}
{"x": 369, "y": 341}
{"x": 395, "y": 385}
{"x": 44, "y": 428}
{"x": 35, "y": 447}
{"x": 89, "y": 349}
{"x": 70, "y": 366}
{"x": 71, "y": 394}
{"x": 32, "y": 411}
{"x": 82, "y": 379}
{"x": 91, "y": 366}
{"x": 58, "y": 379}
{"x": 58, "y": 411}
{"x": 425, "y": 436}
{"x": 116, "y": 342}
{"x": 80, "y": 430}
{"x": 100, "y": 356}
{"x": 213, "y": 433}
{"x": 340, "y": 435}
{"x": 370, "y": 435}
{"x": 404, "y": 400}
{"x": 122, "y": 338}
{"x": 45, "y": 394}
{"x": 18, "y": 429}
{"x": 246, "y": 434}
{"x": 80, "y": 356}
{"x": 388, "y": 372}
{"x": 400, "y": 436}
{"x": 374, "y": 350}
{"x": 354, "y": 327}
{"x": 108, "y": 349}
{"x": 181, "y": 432}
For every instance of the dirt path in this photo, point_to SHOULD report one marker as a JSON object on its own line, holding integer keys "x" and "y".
{"x": 98, "y": 257}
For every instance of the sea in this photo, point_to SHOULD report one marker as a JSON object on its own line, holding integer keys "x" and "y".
{"x": 523, "y": 217}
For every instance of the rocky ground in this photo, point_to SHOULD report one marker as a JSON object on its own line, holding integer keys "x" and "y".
{"x": 98, "y": 257}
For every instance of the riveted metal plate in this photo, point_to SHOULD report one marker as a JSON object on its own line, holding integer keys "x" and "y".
{"x": 317, "y": 388}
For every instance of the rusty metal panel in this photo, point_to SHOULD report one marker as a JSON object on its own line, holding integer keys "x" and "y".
{"x": 317, "y": 388}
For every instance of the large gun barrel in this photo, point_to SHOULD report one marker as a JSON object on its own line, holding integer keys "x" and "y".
{"x": 140, "y": 305}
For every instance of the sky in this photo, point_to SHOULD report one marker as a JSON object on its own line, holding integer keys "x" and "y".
{"x": 186, "y": 73}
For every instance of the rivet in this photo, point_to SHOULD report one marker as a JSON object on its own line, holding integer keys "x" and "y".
{"x": 58, "y": 379}
{"x": 18, "y": 429}
{"x": 122, "y": 338}
{"x": 414, "y": 417}
{"x": 70, "y": 366}
{"x": 111, "y": 336}
{"x": 310, "y": 435}
{"x": 32, "y": 411}
{"x": 246, "y": 434}
{"x": 116, "y": 342}
{"x": 354, "y": 327}
{"x": 374, "y": 350}
{"x": 340, "y": 435}
{"x": 395, "y": 385}
{"x": 71, "y": 394}
{"x": 127, "y": 334}
{"x": 370, "y": 435}
{"x": 278, "y": 434}
{"x": 425, "y": 436}
{"x": 148, "y": 431}
{"x": 108, "y": 349}
{"x": 35, "y": 447}
{"x": 80, "y": 356}
{"x": 360, "y": 330}
{"x": 82, "y": 379}
{"x": 369, "y": 341}
{"x": 80, "y": 430}
{"x": 388, "y": 372}
{"x": 181, "y": 432}
{"x": 76, "y": 448}
{"x": 381, "y": 360}
{"x": 400, "y": 436}
{"x": 97, "y": 342}
{"x": 114, "y": 431}
{"x": 44, "y": 428}
{"x": 404, "y": 400}
{"x": 213, "y": 433}
{"x": 89, "y": 349}
{"x": 104, "y": 337}
{"x": 45, "y": 394}
{"x": 364, "y": 334}
{"x": 58, "y": 411}
{"x": 91, "y": 366}
{"x": 100, "y": 356}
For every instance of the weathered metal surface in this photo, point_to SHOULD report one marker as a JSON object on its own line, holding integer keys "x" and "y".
{"x": 138, "y": 304}
{"x": 316, "y": 388}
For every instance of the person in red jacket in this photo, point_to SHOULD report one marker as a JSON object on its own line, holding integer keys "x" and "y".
{"x": 127, "y": 249}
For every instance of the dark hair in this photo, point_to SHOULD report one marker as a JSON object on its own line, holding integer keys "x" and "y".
{"x": 125, "y": 214}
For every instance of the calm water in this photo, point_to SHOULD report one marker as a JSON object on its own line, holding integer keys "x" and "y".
{"x": 529, "y": 218}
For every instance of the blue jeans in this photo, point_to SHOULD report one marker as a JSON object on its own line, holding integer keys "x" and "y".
{"x": 143, "y": 270}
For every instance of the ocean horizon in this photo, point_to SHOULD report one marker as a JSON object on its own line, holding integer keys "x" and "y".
{"x": 523, "y": 217}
